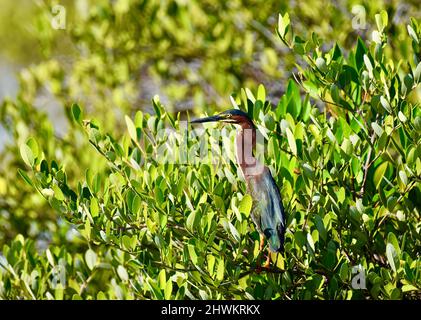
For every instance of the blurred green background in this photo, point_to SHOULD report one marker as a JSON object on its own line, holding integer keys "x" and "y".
{"x": 194, "y": 54}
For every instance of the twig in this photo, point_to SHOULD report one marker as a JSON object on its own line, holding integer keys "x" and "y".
{"x": 86, "y": 282}
{"x": 259, "y": 270}
{"x": 366, "y": 167}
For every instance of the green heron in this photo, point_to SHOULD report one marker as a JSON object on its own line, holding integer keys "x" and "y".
{"x": 267, "y": 210}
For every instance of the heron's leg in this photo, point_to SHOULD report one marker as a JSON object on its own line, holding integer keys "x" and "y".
{"x": 262, "y": 242}
{"x": 261, "y": 246}
{"x": 267, "y": 262}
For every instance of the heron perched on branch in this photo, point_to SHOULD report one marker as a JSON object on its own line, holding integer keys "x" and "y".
{"x": 267, "y": 210}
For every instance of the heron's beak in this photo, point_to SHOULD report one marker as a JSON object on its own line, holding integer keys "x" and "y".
{"x": 208, "y": 119}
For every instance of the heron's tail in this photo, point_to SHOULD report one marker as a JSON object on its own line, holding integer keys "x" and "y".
{"x": 281, "y": 237}
{"x": 276, "y": 239}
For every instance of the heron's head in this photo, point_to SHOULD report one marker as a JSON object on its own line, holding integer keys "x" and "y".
{"x": 233, "y": 116}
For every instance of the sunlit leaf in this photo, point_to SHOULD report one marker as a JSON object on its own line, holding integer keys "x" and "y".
{"x": 90, "y": 258}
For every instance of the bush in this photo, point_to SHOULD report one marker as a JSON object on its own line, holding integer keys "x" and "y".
{"x": 343, "y": 144}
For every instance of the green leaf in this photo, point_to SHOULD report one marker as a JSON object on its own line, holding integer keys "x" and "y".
{"x": 412, "y": 34}
{"x": 385, "y": 104}
{"x": 101, "y": 296}
{"x": 391, "y": 203}
{"x": 87, "y": 230}
{"x": 211, "y": 263}
{"x": 310, "y": 241}
{"x": 347, "y": 147}
{"x": 122, "y": 273}
{"x": 321, "y": 64}
{"x": 381, "y": 20}
{"x": 294, "y": 99}
{"x": 76, "y": 113}
{"x": 50, "y": 257}
{"x": 337, "y": 53}
{"x": 246, "y": 204}
{"x": 27, "y": 155}
{"x": 221, "y": 270}
{"x": 384, "y": 16}
{"x": 283, "y": 23}
{"x": 306, "y": 108}
{"x": 391, "y": 238}
{"x": 90, "y": 258}
{"x": 234, "y": 232}
{"x": 157, "y": 105}
{"x": 94, "y": 207}
{"x": 300, "y": 238}
{"x": 138, "y": 119}
{"x": 377, "y": 37}
{"x": 168, "y": 290}
{"x": 402, "y": 117}
{"x": 131, "y": 128}
{"x": 291, "y": 141}
{"x": 396, "y": 294}
{"x": 379, "y": 173}
{"x": 33, "y": 145}
{"x": 409, "y": 287}
{"x": 250, "y": 95}
{"x": 59, "y": 291}
{"x": 47, "y": 192}
{"x": 377, "y": 129}
{"x": 408, "y": 81}
{"x": 127, "y": 243}
{"x": 135, "y": 203}
{"x": 368, "y": 65}
{"x": 391, "y": 255}
{"x": 347, "y": 75}
{"x": 359, "y": 53}
{"x": 334, "y": 92}
{"x": 403, "y": 177}
{"x": 190, "y": 221}
{"x": 344, "y": 272}
{"x": 308, "y": 171}
{"x": 58, "y": 194}
{"x": 417, "y": 123}
{"x": 417, "y": 73}
{"x": 25, "y": 177}
{"x": 261, "y": 93}
{"x": 192, "y": 253}
{"x": 96, "y": 183}
{"x": 162, "y": 277}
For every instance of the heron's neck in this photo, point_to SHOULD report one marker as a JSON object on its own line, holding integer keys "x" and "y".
{"x": 246, "y": 145}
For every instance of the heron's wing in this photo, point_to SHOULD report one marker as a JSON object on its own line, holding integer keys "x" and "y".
{"x": 269, "y": 211}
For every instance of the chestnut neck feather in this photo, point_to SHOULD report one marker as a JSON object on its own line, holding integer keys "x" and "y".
{"x": 246, "y": 144}
{"x": 246, "y": 123}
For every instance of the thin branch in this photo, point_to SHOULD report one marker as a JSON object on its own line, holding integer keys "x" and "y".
{"x": 86, "y": 282}
{"x": 366, "y": 167}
